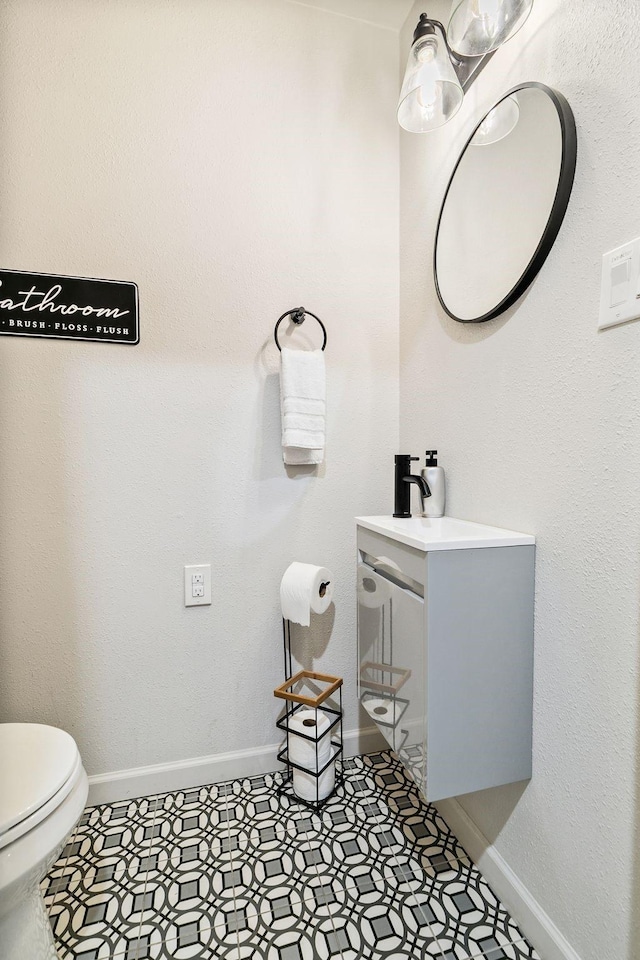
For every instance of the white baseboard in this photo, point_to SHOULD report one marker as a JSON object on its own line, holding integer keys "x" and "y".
{"x": 198, "y": 771}
{"x": 536, "y": 925}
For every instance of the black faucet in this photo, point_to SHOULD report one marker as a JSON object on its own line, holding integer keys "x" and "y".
{"x": 404, "y": 479}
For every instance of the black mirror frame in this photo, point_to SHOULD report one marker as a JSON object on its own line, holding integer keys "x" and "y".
{"x": 558, "y": 209}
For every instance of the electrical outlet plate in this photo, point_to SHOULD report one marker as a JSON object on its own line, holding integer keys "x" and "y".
{"x": 620, "y": 292}
{"x": 197, "y": 585}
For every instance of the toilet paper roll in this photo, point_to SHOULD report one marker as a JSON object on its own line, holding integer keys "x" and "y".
{"x": 374, "y": 592}
{"x": 383, "y": 711}
{"x": 314, "y": 724}
{"x": 305, "y": 587}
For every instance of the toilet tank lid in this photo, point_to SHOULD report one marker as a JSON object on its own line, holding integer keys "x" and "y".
{"x": 35, "y": 762}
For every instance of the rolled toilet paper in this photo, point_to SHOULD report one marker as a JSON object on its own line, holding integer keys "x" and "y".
{"x": 313, "y": 724}
{"x": 305, "y": 587}
{"x": 382, "y": 710}
{"x": 374, "y": 592}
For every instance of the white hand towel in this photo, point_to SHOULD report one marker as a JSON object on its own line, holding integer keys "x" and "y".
{"x": 302, "y": 404}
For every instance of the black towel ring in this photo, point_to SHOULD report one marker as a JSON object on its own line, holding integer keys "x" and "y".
{"x": 298, "y": 315}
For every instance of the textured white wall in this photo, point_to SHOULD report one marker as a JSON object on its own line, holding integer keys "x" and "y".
{"x": 537, "y": 420}
{"x": 235, "y": 160}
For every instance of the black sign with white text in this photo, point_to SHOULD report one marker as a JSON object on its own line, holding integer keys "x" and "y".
{"x": 68, "y": 308}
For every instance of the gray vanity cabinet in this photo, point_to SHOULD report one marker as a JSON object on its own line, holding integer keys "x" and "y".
{"x": 445, "y": 638}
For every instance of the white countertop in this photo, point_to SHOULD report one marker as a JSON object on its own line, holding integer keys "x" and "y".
{"x": 444, "y": 533}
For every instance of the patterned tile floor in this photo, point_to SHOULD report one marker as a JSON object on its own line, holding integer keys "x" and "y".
{"x": 237, "y": 871}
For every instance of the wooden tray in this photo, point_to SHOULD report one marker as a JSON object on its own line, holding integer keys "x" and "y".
{"x": 284, "y": 691}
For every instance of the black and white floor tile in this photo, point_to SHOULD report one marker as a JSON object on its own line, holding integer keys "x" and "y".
{"x": 237, "y": 871}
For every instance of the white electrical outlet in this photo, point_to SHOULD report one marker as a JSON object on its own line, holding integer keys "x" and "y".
{"x": 197, "y": 585}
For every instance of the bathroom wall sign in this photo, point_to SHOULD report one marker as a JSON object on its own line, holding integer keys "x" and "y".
{"x": 68, "y": 308}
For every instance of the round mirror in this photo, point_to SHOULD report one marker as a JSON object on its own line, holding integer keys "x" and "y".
{"x": 504, "y": 203}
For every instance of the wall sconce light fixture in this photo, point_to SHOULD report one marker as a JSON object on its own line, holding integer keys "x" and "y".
{"x": 443, "y": 64}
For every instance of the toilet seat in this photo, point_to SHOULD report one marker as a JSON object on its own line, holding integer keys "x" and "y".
{"x": 40, "y": 766}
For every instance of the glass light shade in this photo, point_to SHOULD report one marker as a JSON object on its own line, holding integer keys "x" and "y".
{"x": 431, "y": 93}
{"x": 477, "y": 27}
{"x": 498, "y": 123}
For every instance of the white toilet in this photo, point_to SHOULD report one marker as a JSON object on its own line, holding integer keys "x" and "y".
{"x": 43, "y": 791}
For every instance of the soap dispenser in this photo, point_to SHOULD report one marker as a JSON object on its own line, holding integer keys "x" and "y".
{"x": 434, "y": 475}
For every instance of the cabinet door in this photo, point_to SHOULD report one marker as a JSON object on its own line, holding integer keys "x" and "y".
{"x": 391, "y": 652}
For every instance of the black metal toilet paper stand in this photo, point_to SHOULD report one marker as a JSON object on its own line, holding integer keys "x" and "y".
{"x": 322, "y": 694}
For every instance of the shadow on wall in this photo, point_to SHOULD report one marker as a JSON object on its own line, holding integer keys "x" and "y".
{"x": 465, "y": 333}
{"x": 309, "y": 644}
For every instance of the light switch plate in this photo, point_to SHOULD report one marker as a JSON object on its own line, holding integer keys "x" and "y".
{"x": 197, "y": 585}
{"x": 620, "y": 291}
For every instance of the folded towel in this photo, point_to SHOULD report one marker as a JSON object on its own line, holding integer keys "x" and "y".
{"x": 302, "y": 404}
